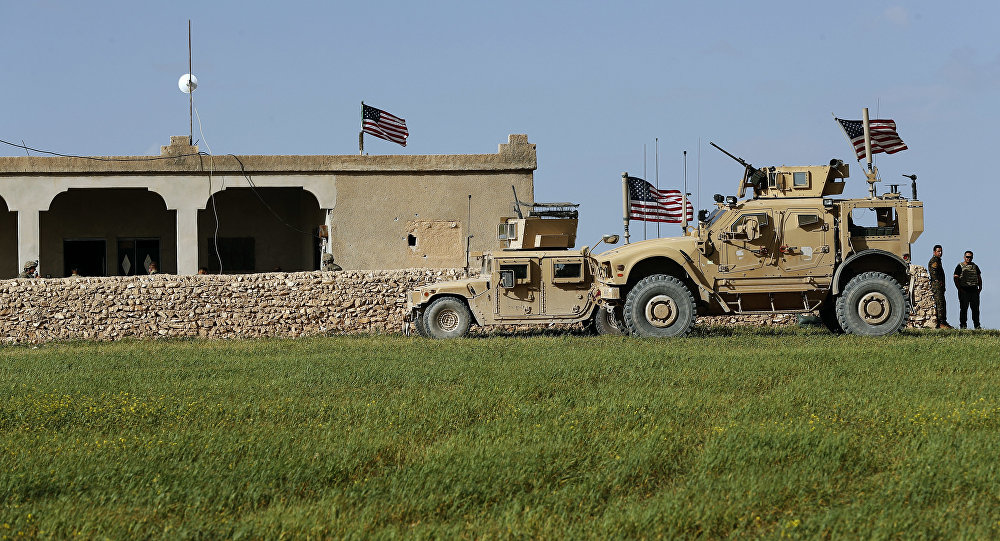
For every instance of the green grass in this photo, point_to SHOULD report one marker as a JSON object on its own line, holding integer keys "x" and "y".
{"x": 731, "y": 433}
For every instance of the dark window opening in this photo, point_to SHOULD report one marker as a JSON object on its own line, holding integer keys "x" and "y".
{"x": 567, "y": 270}
{"x": 238, "y": 255}
{"x": 88, "y": 256}
{"x": 520, "y": 271}
{"x": 411, "y": 240}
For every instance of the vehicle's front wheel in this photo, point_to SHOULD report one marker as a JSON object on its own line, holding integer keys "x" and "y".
{"x": 604, "y": 321}
{"x": 828, "y": 315}
{"x": 873, "y": 304}
{"x": 659, "y": 305}
{"x": 446, "y": 317}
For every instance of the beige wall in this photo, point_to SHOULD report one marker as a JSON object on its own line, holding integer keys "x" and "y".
{"x": 376, "y": 213}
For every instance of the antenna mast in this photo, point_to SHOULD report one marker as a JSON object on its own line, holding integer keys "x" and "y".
{"x": 190, "y": 91}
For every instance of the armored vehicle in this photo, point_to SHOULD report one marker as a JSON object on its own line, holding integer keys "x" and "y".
{"x": 791, "y": 245}
{"x": 535, "y": 279}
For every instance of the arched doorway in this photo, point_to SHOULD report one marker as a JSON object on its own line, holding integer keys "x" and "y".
{"x": 9, "y": 265}
{"x": 260, "y": 230}
{"x": 107, "y": 232}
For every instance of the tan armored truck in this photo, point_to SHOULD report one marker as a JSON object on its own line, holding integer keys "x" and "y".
{"x": 535, "y": 279}
{"x": 792, "y": 246}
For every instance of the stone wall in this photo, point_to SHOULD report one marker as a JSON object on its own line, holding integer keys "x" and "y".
{"x": 248, "y": 306}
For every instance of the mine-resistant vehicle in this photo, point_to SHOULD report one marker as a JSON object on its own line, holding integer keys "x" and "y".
{"x": 790, "y": 246}
{"x": 535, "y": 279}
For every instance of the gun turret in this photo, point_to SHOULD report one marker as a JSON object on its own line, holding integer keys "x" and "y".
{"x": 751, "y": 175}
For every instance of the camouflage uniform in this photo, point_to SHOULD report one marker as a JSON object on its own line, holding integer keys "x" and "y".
{"x": 936, "y": 271}
{"x": 329, "y": 265}
{"x": 969, "y": 279}
{"x": 29, "y": 270}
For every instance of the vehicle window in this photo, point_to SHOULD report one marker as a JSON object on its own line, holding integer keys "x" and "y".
{"x": 714, "y": 216}
{"x": 520, "y": 270}
{"x": 873, "y": 222}
{"x": 567, "y": 270}
{"x": 762, "y": 220}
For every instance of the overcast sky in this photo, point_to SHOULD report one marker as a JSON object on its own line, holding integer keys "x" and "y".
{"x": 589, "y": 82}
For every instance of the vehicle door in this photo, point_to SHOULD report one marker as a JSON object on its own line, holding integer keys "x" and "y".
{"x": 806, "y": 242}
{"x": 516, "y": 282}
{"x": 566, "y": 285}
{"x": 747, "y": 243}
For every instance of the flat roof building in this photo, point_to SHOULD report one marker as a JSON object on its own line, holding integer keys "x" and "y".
{"x": 108, "y": 216}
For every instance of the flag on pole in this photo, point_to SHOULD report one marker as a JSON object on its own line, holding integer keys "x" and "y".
{"x": 647, "y": 204}
{"x": 383, "y": 125}
{"x": 884, "y": 136}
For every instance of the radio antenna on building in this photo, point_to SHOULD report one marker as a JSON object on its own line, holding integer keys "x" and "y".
{"x": 187, "y": 83}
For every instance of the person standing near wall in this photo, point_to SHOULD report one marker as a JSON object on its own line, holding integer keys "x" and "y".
{"x": 936, "y": 271}
{"x": 969, "y": 280}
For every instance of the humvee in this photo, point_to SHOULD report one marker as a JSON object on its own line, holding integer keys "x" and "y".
{"x": 535, "y": 279}
{"x": 792, "y": 245}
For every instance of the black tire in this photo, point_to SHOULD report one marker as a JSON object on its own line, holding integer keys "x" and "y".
{"x": 873, "y": 304}
{"x": 604, "y": 321}
{"x": 419, "y": 327}
{"x": 446, "y": 317}
{"x": 828, "y": 315}
{"x": 660, "y": 306}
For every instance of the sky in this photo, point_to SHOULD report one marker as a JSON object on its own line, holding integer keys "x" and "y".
{"x": 595, "y": 85}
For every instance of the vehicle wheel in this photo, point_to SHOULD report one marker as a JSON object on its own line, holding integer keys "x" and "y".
{"x": 446, "y": 317}
{"x": 604, "y": 321}
{"x": 419, "y": 327}
{"x": 828, "y": 315}
{"x": 873, "y": 304}
{"x": 659, "y": 305}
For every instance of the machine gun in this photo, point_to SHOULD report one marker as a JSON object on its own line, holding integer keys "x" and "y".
{"x": 751, "y": 175}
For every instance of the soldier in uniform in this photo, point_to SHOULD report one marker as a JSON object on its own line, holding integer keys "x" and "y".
{"x": 29, "y": 270}
{"x": 936, "y": 271}
{"x": 969, "y": 280}
{"x": 328, "y": 264}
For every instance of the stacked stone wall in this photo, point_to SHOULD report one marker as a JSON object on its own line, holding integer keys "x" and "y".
{"x": 250, "y": 306}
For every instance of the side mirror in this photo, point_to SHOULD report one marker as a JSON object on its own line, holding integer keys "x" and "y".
{"x": 610, "y": 239}
{"x": 507, "y": 279}
{"x": 702, "y": 215}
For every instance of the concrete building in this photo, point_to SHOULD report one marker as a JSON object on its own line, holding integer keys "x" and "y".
{"x": 111, "y": 216}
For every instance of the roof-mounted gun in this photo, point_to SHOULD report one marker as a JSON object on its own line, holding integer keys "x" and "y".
{"x": 752, "y": 176}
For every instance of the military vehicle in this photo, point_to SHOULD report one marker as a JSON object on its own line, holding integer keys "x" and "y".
{"x": 791, "y": 246}
{"x": 535, "y": 279}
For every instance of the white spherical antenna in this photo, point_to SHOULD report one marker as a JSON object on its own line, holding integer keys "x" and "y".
{"x": 187, "y": 83}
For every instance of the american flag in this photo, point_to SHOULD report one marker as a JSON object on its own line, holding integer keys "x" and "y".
{"x": 383, "y": 125}
{"x": 647, "y": 204}
{"x": 884, "y": 136}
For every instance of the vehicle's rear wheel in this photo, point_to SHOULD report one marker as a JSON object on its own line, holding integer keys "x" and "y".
{"x": 828, "y": 315}
{"x": 446, "y": 317}
{"x": 604, "y": 321}
{"x": 659, "y": 305}
{"x": 873, "y": 304}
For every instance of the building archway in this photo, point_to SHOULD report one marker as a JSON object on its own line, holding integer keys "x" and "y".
{"x": 107, "y": 232}
{"x": 260, "y": 230}
{"x": 9, "y": 265}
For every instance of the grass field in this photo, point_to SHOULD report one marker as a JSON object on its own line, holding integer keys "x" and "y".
{"x": 741, "y": 433}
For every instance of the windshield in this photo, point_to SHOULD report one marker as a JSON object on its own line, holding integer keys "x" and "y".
{"x": 714, "y": 216}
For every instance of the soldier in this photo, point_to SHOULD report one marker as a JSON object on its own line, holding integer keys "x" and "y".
{"x": 329, "y": 265}
{"x": 969, "y": 280}
{"x": 29, "y": 270}
{"x": 936, "y": 271}
{"x": 153, "y": 268}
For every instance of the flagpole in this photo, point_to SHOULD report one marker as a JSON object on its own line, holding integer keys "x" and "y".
{"x": 684, "y": 194}
{"x": 625, "y": 203}
{"x": 361, "y": 134}
{"x": 656, "y": 153}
